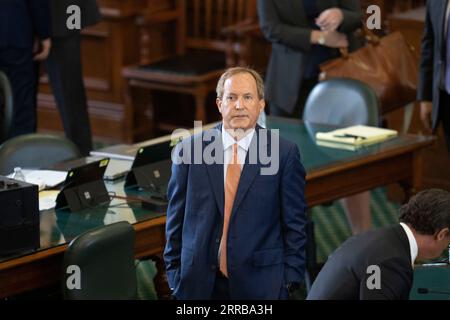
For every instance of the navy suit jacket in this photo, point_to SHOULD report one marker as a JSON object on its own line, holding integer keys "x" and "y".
{"x": 21, "y": 20}
{"x": 266, "y": 236}
{"x": 432, "y": 64}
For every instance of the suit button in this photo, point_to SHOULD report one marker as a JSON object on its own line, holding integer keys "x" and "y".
{"x": 217, "y": 240}
{"x": 213, "y": 268}
{"x": 440, "y": 62}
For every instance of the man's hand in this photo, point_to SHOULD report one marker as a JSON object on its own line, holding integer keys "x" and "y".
{"x": 334, "y": 39}
{"x": 45, "y": 47}
{"x": 425, "y": 115}
{"x": 330, "y": 19}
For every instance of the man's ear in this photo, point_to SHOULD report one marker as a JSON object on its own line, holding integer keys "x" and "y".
{"x": 262, "y": 104}
{"x": 442, "y": 234}
{"x": 219, "y": 104}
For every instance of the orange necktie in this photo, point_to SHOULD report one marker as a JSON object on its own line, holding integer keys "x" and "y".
{"x": 231, "y": 185}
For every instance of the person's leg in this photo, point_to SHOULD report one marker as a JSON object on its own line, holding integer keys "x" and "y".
{"x": 305, "y": 90}
{"x": 65, "y": 73}
{"x": 357, "y": 209}
{"x": 18, "y": 65}
{"x": 444, "y": 111}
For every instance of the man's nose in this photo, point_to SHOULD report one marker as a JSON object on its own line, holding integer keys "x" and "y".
{"x": 239, "y": 103}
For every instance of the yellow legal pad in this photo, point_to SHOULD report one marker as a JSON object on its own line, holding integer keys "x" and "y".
{"x": 356, "y": 136}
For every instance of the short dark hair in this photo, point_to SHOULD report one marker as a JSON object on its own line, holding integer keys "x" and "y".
{"x": 428, "y": 211}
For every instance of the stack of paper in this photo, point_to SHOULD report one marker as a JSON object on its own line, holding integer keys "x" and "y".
{"x": 44, "y": 178}
{"x": 355, "y": 136}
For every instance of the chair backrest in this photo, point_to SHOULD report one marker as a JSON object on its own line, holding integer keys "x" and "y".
{"x": 342, "y": 102}
{"x": 35, "y": 151}
{"x": 198, "y": 24}
{"x": 6, "y": 107}
{"x": 104, "y": 260}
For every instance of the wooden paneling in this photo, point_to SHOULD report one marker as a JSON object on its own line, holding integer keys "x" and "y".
{"x": 106, "y": 48}
{"x": 437, "y": 158}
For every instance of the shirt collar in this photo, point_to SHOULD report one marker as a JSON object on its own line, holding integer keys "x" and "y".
{"x": 244, "y": 143}
{"x": 412, "y": 242}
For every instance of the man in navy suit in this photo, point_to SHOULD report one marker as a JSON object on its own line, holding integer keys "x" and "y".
{"x": 434, "y": 78}
{"x": 20, "y": 22}
{"x": 236, "y": 225}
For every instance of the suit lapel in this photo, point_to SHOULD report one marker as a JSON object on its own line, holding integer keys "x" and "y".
{"x": 249, "y": 172}
{"x": 215, "y": 174}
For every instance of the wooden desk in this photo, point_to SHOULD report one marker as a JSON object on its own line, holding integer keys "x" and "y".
{"x": 331, "y": 174}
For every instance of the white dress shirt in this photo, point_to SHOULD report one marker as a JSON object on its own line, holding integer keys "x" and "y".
{"x": 243, "y": 145}
{"x": 412, "y": 242}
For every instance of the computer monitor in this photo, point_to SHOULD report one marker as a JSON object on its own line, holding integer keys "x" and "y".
{"x": 84, "y": 187}
{"x": 151, "y": 169}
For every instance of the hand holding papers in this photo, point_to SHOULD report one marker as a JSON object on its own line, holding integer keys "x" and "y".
{"x": 354, "y": 136}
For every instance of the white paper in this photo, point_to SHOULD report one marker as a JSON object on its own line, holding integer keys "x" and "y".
{"x": 44, "y": 178}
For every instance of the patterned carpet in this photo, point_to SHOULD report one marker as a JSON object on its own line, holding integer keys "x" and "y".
{"x": 332, "y": 227}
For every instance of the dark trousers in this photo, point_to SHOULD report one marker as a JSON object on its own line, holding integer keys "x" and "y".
{"x": 297, "y": 113}
{"x": 444, "y": 116}
{"x": 66, "y": 78}
{"x": 221, "y": 289}
{"x": 18, "y": 65}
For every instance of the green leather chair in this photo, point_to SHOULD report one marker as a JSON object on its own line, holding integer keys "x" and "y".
{"x": 35, "y": 151}
{"x": 6, "y": 107}
{"x": 104, "y": 264}
{"x": 342, "y": 102}
{"x": 338, "y": 102}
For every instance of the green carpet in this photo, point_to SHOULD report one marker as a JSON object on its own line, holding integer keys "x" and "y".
{"x": 332, "y": 227}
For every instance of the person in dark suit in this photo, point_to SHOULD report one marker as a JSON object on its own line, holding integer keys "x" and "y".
{"x": 235, "y": 230}
{"x": 20, "y": 22}
{"x": 379, "y": 264}
{"x": 303, "y": 33}
{"x": 65, "y": 70}
{"x": 434, "y": 77}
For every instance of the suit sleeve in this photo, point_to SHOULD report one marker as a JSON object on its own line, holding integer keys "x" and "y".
{"x": 351, "y": 9}
{"x": 174, "y": 222}
{"x": 395, "y": 282}
{"x": 425, "y": 87}
{"x": 40, "y": 14}
{"x": 293, "y": 216}
{"x": 276, "y": 31}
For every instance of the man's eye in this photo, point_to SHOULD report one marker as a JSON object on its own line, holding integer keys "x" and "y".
{"x": 248, "y": 98}
{"x": 230, "y": 98}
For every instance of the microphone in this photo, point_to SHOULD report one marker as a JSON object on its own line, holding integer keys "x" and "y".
{"x": 426, "y": 291}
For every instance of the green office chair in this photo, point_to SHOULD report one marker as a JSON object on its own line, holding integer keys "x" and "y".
{"x": 6, "y": 107}
{"x": 99, "y": 264}
{"x": 35, "y": 151}
{"x": 342, "y": 102}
